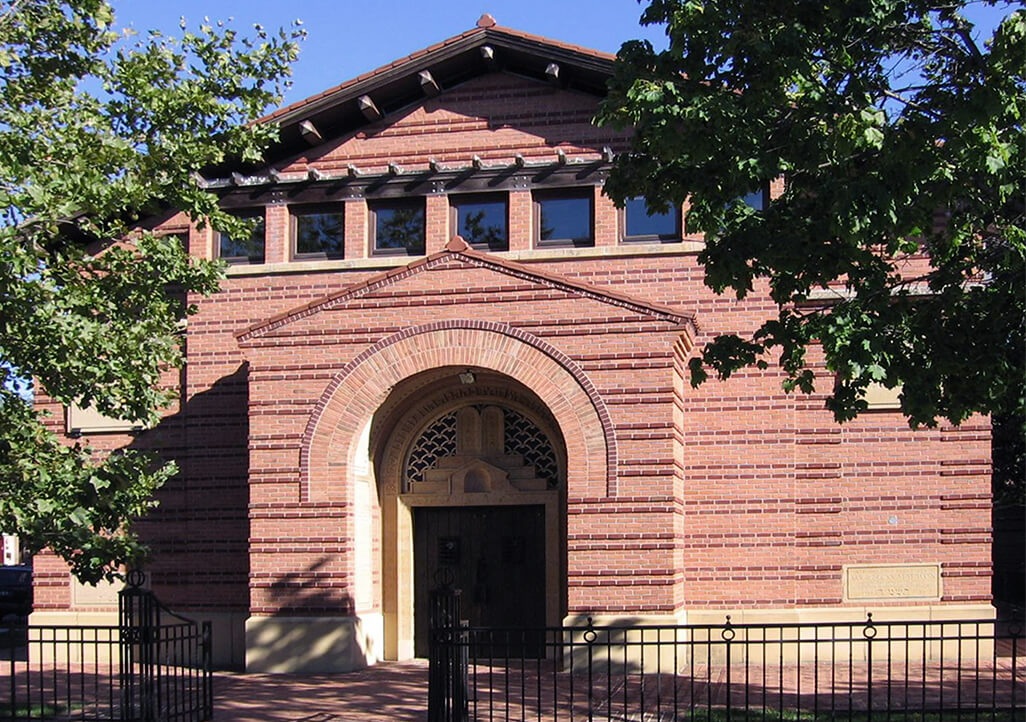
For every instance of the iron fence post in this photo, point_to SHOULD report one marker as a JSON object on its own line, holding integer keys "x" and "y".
{"x": 447, "y": 657}
{"x": 869, "y": 632}
{"x": 728, "y": 636}
{"x": 589, "y": 638}
{"x": 208, "y": 672}
{"x": 139, "y": 621}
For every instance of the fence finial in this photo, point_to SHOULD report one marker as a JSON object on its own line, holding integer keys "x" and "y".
{"x": 589, "y": 635}
{"x": 728, "y": 632}
{"x": 136, "y": 578}
{"x": 869, "y": 630}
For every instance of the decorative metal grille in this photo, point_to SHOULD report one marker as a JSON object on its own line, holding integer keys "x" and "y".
{"x": 523, "y": 437}
{"x": 437, "y": 441}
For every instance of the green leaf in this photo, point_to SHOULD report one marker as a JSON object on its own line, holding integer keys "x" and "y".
{"x": 995, "y": 163}
{"x": 874, "y": 137}
{"x": 93, "y": 131}
{"x": 898, "y": 136}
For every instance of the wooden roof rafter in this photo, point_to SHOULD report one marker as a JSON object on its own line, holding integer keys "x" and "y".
{"x": 396, "y": 180}
{"x": 275, "y": 178}
{"x": 427, "y": 73}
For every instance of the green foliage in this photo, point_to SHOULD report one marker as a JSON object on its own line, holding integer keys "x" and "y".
{"x": 901, "y": 143}
{"x": 1008, "y": 454}
{"x": 98, "y": 130}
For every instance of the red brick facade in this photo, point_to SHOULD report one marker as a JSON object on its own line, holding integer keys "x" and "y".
{"x": 732, "y": 496}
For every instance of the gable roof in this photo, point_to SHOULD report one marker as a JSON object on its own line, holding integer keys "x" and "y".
{"x": 484, "y": 48}
{"x": 457, "y": 248}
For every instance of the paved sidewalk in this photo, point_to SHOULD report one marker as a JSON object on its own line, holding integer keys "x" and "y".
{"x": 398, "y": 691}
{"x": 387, "y": 691}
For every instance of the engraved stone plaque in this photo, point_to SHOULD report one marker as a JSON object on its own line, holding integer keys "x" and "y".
{"x": 86, "y": 419}
{"x": 865, "y": 582}
{"x": 104, "y": 594}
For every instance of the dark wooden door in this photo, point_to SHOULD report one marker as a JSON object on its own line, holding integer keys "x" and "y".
{"x": 494, "y": 554}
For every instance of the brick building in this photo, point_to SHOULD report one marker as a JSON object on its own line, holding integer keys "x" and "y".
{"x": 445, "y": 354}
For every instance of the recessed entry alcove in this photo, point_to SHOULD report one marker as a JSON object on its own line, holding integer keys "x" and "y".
{"x": 470, "y": 468}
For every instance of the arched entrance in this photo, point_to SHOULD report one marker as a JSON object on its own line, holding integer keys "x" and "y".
{"x": 385, "y": 392}
{"x": 473, "y": 466}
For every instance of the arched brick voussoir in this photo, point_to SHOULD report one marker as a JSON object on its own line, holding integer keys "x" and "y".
{"x": 352, "y": 397}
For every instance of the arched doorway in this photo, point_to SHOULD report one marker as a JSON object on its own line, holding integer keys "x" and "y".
{"x": 387, "y": 387}
{"x": 471, "y": 471}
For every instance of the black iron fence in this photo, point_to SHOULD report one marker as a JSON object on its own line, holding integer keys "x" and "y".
{"x": 153, "y": 665}
{"x": 915, "y": 670}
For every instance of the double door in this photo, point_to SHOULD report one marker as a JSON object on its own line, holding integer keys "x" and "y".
{"x": 494, "y": 554}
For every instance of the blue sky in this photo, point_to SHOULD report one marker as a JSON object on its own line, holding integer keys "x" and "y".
{"x": 346, "y": 38}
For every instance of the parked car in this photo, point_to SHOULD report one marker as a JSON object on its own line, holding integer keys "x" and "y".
{"x": 15, "y": 591}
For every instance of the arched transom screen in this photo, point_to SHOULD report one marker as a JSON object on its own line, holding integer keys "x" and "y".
{"x": 501, "y": 436}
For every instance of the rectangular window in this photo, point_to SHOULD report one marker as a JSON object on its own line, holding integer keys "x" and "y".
{"x": 318, "y": 231}
{"x": 564, "y": 218}
{"x": 482, "y": 220}
{"x": 397, "y": 227}
{"x": 757, "y": 199}
{"x": 641, "y": 226}
{"x": 244, "y": 250}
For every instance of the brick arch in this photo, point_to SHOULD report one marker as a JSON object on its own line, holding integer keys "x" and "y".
{"x": 357, "y": 391}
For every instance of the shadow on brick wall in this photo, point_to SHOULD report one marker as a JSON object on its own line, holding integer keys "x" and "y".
{"x": 198, "y": 535}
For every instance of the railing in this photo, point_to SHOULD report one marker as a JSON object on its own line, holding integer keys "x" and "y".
{"x": 915, "y": 670}
{"x": 153, "y": 666}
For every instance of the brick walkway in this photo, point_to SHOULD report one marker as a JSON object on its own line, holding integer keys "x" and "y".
{"x": 398, "y": 691}
{"x": 389, "y": 691}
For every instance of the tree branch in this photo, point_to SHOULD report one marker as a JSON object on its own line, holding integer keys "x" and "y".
{"x": 912, "y": 104}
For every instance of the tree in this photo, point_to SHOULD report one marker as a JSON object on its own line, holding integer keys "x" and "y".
{"x": 898, "y": 244}
{"x": 98, "y": 130}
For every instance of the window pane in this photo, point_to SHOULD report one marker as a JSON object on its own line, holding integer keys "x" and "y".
{"x": 251, "y": 248}
{"x": 640, "y": 223}
{"x": 756, "y": 200}
{"x": 399, "y": 227}
{"x": 565, "y": 219}
{"x": 320, "y": 232}
{"x": 482, "y": 223}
